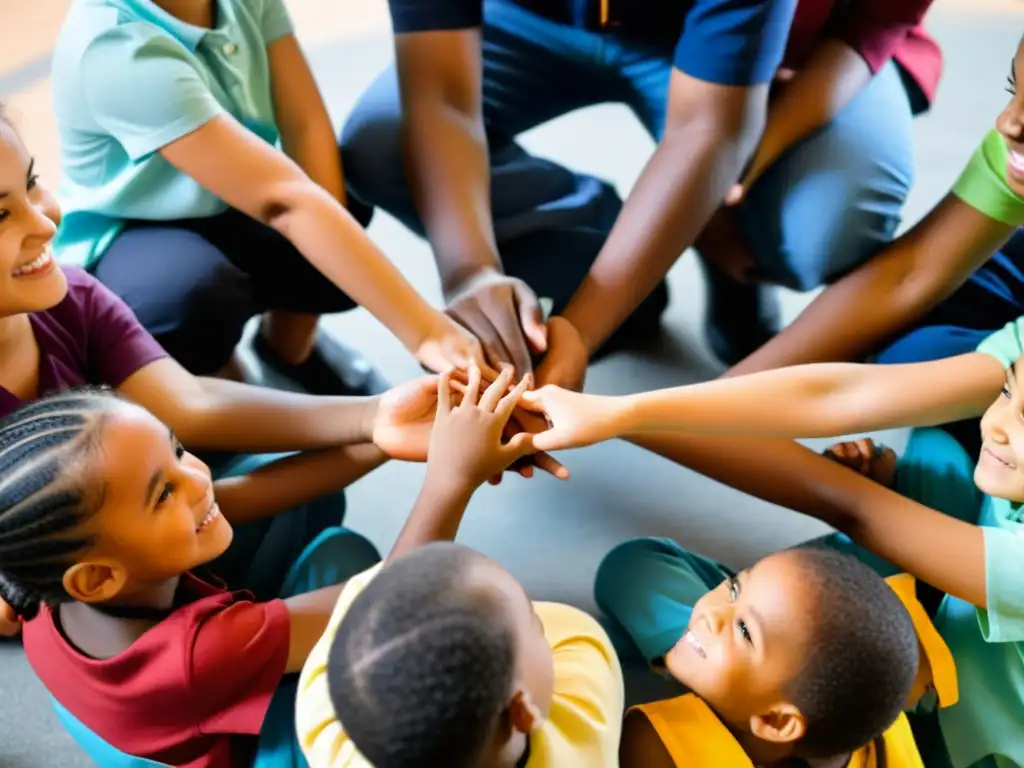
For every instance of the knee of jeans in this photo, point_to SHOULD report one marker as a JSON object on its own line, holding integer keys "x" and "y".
{"x": 371, "y": 154}
{"x": 621, "y": 569}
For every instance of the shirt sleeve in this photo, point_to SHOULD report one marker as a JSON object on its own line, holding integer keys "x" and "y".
{"x": 1006, "y": 344}
{"x": 321, "y": 736}
{"x": 275, "y": 21}
{"x": 738, "y": 42}
{"x": 238, "y": 657}
{"x": 982, "y": 184}
{"x": 144, "y": 88}
{"x": 1003, "y": 621}
{"x": 116, "y": 343}
{"x": 433, "y": 15}
{"x": 875, "y": 28}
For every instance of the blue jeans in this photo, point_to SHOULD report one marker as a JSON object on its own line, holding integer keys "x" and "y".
{"x": 992, "y": 297}
{"x": 827, "y": 205}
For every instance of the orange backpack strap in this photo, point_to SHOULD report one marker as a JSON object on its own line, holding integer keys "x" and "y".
{"x": 693, "y": 735}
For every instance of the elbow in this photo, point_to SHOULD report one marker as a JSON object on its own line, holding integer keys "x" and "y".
{"x": 730, "y": 138}
{"x": 282, "y": 201}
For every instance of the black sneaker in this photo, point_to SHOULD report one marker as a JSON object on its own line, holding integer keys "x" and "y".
{"x": 331, "y": 368}
{"x": 740, "y": 317}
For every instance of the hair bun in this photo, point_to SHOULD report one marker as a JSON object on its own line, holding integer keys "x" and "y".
{"x": 23, "y": 601}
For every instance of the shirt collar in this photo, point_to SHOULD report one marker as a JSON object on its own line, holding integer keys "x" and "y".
{"x": 188, "y": 35}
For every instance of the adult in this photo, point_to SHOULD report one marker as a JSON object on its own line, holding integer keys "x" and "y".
{"x": 506, "y": 225}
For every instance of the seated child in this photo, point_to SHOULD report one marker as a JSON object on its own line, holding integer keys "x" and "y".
{"x": 439, "y": 658}
{"x": 104, "y": 519}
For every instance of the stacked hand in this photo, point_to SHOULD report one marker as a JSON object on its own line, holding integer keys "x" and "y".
{"x": 875, "y": 461}
{"x": 448, "y": 345}
{"x": 467, "y": 446}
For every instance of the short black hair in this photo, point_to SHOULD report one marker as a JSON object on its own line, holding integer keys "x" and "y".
{"x": 423, "y": 663}
{"x": 862, "y": 655}
{"x": 42, "y": 499}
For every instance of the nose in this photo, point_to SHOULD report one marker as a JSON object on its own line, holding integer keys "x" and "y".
{"x": 197, "y": 482}
{"x": 716, "y": 618}
{"x": 44, "y": 219}
{"x": 1011, "y": 122}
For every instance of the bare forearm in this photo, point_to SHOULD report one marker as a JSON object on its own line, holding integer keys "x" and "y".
{"x": 294, "y": 480}
{"x": 435, "y": 516}
{"x": 821, "y": 400}
{"x": 828, "y": 81}
{"x": 314, "y": 147}
{"x": 226, "y": 415}
{"x": 450, "y": 176}
{"x": 672, "y": 201}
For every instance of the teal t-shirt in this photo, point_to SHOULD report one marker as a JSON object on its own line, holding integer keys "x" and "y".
{"x": 982, "y": 185}
{"x": 129, "y": 79}
{"x": 986, "y": 728}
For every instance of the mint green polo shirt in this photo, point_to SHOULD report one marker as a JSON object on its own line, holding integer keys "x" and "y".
{"x": 982, "y": 185}
{"x": 129, "y": 79}
{"x": 985, "y": 729}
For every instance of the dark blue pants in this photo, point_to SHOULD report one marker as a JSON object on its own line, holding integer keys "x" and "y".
{"x": 991, "y": 298}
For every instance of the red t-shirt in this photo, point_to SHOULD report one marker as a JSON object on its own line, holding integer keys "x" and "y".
{"x": 192, "y": 691}
{"x": 878, "y": 30}
{"x": 91, "y": 337}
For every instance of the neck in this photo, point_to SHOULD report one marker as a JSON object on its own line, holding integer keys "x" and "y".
{"x": 155, "y": 596}
{"x": 14, "y": 331}
{"x": 763, "y": 753}
{"x": 198, "y": 13}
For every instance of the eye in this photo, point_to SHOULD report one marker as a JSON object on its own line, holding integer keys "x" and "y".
{"x": 1005, "y": 391}
{"x": 4, "y": 213}
{"x": 179, "y": 450}
{"x": 742, "y": 626}
{"x": 165, "y": 493}
{"x": 1011, "y": 85}
{"x": 33, "y": 182}
{"x": 734, "y": 589}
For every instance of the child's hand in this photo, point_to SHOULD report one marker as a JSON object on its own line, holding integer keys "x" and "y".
{"x": 466, "y": 446}
{"x": 404, "y": 419}
{"x": 875, "y": 461}
{"x": 574, "y": 419}
{"x": 449, "y": 345}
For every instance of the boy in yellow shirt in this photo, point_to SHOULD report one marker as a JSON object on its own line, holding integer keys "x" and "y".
{"x": 439, "y": 658}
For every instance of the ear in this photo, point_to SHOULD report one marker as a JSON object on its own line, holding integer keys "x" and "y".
{"x": 523, "y": 714}
{"x": 783, "y": 724}
{"x": 94, "y": 581}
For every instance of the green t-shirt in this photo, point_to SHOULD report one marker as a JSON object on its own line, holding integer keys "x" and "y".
{"x": 982, "y": 185}
{"x": 984, "y": 729}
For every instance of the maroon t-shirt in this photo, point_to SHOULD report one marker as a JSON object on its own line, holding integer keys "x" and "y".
{"x": 91, "y": 337}
{"x": 192, "y": 691}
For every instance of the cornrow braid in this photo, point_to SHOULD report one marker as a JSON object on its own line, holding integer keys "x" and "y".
{"x": 42, "y": 449}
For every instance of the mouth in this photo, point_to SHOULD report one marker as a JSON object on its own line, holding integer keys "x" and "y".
{"x": 40, "y": 265}
{"x": 212, "y": 515}
{"x": 691, "y": 640}
{"x": 998, "y": 459}
{"x": 1016, "y": 162}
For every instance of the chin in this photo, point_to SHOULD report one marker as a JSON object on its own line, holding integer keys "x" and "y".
{"x": 998, "y": 485}
{"x": 36, "y": 295}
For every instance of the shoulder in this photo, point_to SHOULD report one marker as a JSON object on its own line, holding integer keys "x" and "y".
{"x": 417, "y": 16}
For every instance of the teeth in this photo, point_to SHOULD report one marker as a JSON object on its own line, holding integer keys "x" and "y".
{"x": 210, "y": 517}
{"x": 36, "y": 264}
{"x": 694, "y": 643}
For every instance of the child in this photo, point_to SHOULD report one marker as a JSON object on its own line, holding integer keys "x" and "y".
{"x": 170, "y": 113}
{"x": 439, "y": 658}
{"x": 973, "y": 552}
{"x": 806, "y": 658}
{"x": 104, "y": 518}
{"x": 61, "y": 329}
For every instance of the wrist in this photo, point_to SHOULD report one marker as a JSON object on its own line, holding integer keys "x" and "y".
{"x": 369, "y": 407}
{"x": 460, "y": 271}
{"x": 448, "y": 487}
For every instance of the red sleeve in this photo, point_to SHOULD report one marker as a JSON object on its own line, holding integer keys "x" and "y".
{"x": 238, "y": 658}
{"x": 117, "y": 344}
{"x": 875, "y": 28}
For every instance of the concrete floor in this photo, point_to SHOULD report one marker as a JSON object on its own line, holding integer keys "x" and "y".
{"x": 616, "y": 491}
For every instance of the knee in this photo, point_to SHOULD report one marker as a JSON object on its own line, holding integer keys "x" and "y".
{"x": 622, "y": 568}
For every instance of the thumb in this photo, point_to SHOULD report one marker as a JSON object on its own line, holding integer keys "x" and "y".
{"x": 531, "y": 317}
{"x": 533, "y": 399}
{"x": 521, "y": 444}
{"x": 735, "y": 194}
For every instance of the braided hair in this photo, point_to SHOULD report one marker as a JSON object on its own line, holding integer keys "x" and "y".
{"x": 44, "y": 447}
{"x": 862, "y": 656}
{"x": 421, "y": 668}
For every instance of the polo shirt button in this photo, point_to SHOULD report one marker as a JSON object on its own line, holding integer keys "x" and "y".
{"x": 229, "y": 49}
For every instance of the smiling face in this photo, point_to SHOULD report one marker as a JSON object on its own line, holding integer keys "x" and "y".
{"x": 30, "y": 280}
{"x": 999, "y": 471}
{"x": 158, "y": 518}
{"x": 1011, "y": 125}
{"x": 746, "y": 642}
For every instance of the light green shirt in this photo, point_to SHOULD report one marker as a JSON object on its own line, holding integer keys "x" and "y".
{"x": 986, "y": 727}
{"x": 982, "y": 185}
{"x": 129, "y": 79}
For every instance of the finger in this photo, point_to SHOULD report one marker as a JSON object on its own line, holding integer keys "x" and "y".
{"x": 472, "y": 393}
{"x": 531, "y": 317}
{"x": 496, "y": 480}
{"x": 492, "y": 396}
{"x": 444, "y": 393}
{"x": 534, "y": 399}
{"x": 491, "y": 351}
{"x": 511, "y": 400}
{"x": 865, "y": 452}
{"x": 548, "y": 463}
{"x": 734, "y": 195}
{"x": 526, "y": 470}
{"x": 519, "y": 445}
{"x": 506, "y": 324}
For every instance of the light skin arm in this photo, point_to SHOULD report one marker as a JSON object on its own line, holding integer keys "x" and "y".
{"x": 307, "y": 135}
{"x": 918, "y": 540}
{"x": 820, "y": 400}
{"x": 294, "y": 480}
{"x": 215, "y": 414}
{"x": 853, "y": 317}
{"x": 711, "y": 130}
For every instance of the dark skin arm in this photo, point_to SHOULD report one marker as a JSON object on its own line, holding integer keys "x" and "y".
{"x": 711, "y": 131}
{"x": 449, "y": 171}
{"x": 900, "y": 284}
{"x": 918, "y": 540}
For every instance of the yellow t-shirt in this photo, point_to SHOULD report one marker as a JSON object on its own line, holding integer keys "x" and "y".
{"x": 582, "y": 730}
{"x": 694, "y": 737}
